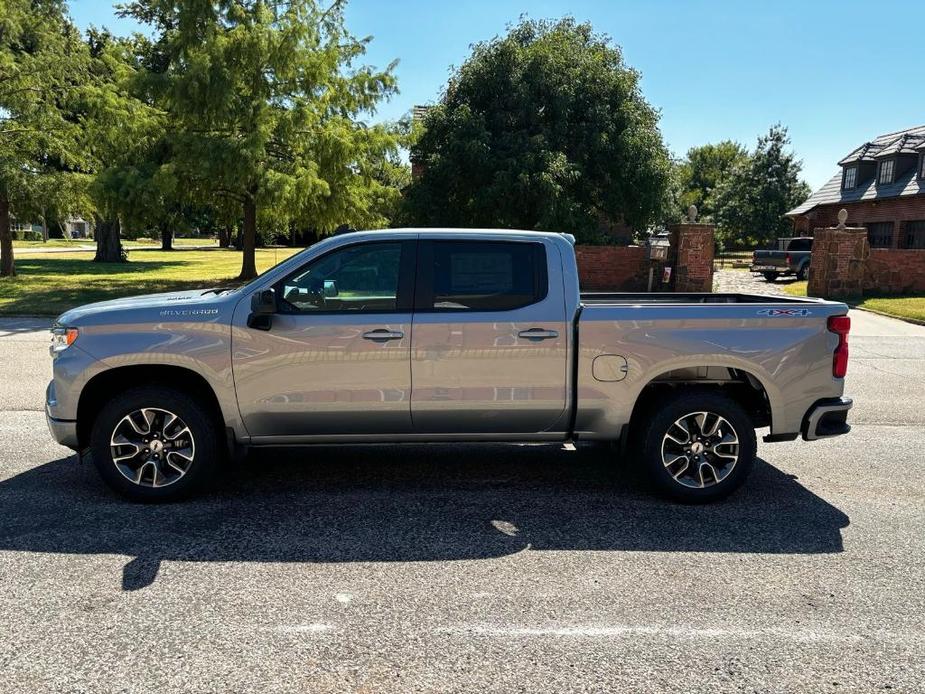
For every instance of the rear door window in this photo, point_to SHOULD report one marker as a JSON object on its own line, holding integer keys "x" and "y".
{"x": 480, "y": 275}
{"x": 800, "y": 245}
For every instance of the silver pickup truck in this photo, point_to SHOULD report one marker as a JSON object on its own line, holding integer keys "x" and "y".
{"x": 442, "y": 335}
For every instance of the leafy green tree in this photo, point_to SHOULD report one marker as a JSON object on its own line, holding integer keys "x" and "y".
{"x": 544, "y": 128}
{"x": 263, "y": 102}
{"x": 752, "y": 201}
{"x": 704, "y": 170}
{"x": 42, "y": 59}
{"x": 125, "y": 132}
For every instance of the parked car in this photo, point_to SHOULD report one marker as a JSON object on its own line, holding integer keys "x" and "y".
{"x": 791, "y": 258}
{"x": 455, "y": 335}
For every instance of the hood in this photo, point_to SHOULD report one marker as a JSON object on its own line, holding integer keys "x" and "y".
{"x": 167, "y": 305}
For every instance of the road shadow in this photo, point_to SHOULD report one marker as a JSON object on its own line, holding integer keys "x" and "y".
{"x": 407, "y": 503}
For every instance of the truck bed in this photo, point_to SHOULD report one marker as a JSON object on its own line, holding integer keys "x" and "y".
{"x": 633, "y": 298}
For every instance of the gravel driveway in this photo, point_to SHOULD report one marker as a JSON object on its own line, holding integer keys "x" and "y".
{"x": 744, "y": 282}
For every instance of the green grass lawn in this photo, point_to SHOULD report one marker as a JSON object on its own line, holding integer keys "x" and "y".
{"x": 48, "y": 284}
{"x": 139, "y": 243}
{"x": 905, "y": 307}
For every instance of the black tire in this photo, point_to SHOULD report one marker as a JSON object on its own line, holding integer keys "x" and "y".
{"x": 770, "y": 276}
{"x": 205, "y": 443}
{"x": 662, "y": 419}
{"x": 801, "y": 273}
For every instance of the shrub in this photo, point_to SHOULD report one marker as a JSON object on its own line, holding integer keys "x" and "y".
{"x": 29, "y": 235}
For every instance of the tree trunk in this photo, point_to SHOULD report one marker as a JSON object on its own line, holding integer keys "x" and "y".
{"x": 224, "y": 236}
{"x": 249, "y": 239}
{"x": 166, "y": 238}
{"x": 7, "y": 267}
{"x": 108, "y": 243}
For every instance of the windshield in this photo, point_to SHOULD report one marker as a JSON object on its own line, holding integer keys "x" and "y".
{"x": 276, "y": 265}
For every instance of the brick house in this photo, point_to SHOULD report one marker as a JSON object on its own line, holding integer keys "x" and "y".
{"x": 882, "y": 186}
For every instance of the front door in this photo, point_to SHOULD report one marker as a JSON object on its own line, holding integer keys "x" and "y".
{"x": 489, "y": 351}
{"x": 336, "y": 359}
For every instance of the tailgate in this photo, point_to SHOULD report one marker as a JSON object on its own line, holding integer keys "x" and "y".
{"x": 772, "y": 260}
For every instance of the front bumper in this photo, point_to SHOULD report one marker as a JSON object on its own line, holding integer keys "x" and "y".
{"x": 62, "y": 430}
{"x": 827, "y": 418}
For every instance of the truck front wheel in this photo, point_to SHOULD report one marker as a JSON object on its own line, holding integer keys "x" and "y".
{"x": 698, "y": 446}
{"x": 154, "y": 443}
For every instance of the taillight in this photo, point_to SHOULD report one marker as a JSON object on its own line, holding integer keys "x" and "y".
{"x": 787, "y": 259}
{"x": 840, "y": 325}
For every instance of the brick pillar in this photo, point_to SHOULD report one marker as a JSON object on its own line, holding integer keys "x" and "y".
{"x": 691, "y": 257}
{"x": 836, "y": 270}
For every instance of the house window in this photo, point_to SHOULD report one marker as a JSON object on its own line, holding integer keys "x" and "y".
{"x": 914, "y": 236}
{"x": 880, "y": 234}
{"x": 922, "y": 167}
{"x": 851, "y": 177}
{"x": 886, "y": 171}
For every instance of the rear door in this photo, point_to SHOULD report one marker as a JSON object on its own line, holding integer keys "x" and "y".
{"x": 490, "y": 338}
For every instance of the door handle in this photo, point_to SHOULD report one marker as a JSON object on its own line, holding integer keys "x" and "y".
{"x": 383, "y": 335}
{"x": 538, "y": 334}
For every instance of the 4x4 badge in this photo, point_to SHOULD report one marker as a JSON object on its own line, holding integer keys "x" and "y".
{"x": 784, "y": 312}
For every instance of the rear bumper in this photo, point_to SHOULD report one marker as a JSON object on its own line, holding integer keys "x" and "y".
{"x": 827, "y": 418}
{"x": 770, "y": 268}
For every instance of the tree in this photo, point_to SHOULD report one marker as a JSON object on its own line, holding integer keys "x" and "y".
{"x": 544, "y": 128}
{"x": 704, "y": 170}
{"x": 42, "y": 59}
{"x": 751, "y": 203}
{"x": 263, "y": 101}
{"x": 125, "y": 134}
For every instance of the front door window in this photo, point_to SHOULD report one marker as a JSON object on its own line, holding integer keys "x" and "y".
{"x": 362, "y": 278}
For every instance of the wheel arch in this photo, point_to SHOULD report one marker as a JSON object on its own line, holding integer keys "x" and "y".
{"x": 108, "y": 383}
{"x": 741, "y": 385}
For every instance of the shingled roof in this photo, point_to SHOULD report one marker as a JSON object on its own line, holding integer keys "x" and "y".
{"x": 910, "y": 141}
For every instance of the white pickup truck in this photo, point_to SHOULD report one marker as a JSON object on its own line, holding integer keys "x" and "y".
{"x": 442, "y": 335}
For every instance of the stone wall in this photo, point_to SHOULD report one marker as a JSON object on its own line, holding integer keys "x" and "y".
{"x": 844, "y": 266}
{"x": 625, "y": 268}
{"x": 691, "y": 257}
{"x": 895, "y": 271}
{"x": 612, "y": 268}
{"x": 837, "y": 267}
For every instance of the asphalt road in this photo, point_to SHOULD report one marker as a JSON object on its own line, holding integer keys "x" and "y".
{"x": 488, "y": 568}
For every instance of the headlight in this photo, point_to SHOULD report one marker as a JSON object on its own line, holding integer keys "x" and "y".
{"x": 61, "y": 338}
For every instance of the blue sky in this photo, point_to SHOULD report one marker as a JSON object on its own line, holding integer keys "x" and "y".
{"x": 836, "y": 73}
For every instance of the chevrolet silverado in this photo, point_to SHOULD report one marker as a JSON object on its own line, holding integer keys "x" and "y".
{"x": 442, "y": 335}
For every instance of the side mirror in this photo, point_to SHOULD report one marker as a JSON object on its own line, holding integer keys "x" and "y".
{"x": 330, "y": 289}
{"x": 263, "y": 306}
{"x": 264, "y": 302}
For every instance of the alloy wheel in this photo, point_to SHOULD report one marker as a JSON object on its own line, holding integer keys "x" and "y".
{"x": 152, "y": 447}
{"x": 700, "y": 449}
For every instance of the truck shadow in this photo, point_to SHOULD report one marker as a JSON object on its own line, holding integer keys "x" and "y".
{"x": 407, "y": 503}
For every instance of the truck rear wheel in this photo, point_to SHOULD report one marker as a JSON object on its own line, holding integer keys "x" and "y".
{"x": 698, "y": 446}
{"x": 154, "y": 443}
{"x": 770, "y": 276}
